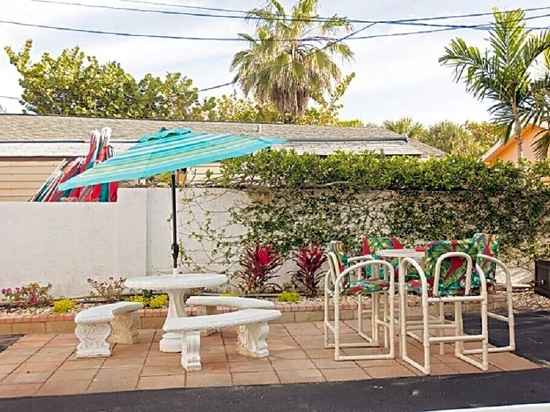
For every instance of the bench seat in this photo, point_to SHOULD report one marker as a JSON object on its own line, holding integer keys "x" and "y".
{"x": 253, "y": 332}
{"x": 94, "y": 326}
{"x": 230, "y": 301}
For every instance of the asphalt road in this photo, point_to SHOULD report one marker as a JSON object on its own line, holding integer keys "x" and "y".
{"x": 405, "y": 394}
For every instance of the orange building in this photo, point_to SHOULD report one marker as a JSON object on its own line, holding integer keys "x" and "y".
{"x": 508, "y": 151}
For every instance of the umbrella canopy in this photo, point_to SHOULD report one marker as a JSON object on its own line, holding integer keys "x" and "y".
{"x": 167, "y": 151}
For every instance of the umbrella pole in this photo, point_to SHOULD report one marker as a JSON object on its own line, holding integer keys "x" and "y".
{"x": 175, "y": 246}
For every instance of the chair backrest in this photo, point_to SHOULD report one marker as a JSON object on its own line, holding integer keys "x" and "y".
{"x": 454, "y": 271}
{"x": 338, "y": 248}
{"x": 372, "y": 244}
{"x": 487, "y": 245}
{"x": 334, "y": 270}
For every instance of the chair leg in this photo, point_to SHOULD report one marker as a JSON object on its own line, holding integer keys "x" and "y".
{"x": 375, "y": 314}
{"x": 385, "y": 299}
{"x": 441, "y": 331}
{"x": 459, "y": 329}
{"x": 391, "y": 320}
{"x": 485, "y": 333}
{"x": 426, "y": 335}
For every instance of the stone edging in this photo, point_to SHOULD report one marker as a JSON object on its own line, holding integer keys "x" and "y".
{"x": 153, "y": 318}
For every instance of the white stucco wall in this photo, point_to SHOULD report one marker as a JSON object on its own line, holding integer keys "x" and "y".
{"x": 65, "y": 243}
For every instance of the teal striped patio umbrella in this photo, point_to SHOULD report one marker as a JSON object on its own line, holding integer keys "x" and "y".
{"x": 169, "y": 151}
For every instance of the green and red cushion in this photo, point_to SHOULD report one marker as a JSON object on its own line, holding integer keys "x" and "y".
{"x": 452, "y": 278}
{"x": 371, "y": 245}
{"x": 366, "y": 287}
{"x": 487, "y": 245}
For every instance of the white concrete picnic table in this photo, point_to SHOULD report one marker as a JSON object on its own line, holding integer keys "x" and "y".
{"x": 175, "y": 286}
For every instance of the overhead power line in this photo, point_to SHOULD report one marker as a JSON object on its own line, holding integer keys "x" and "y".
{"x": 9, "y": 97}
{"x": 223, "y": 39}
{"x": 346, "y": 37}
{"x": 407, "y": 22}
{"x": 352, "y": 20}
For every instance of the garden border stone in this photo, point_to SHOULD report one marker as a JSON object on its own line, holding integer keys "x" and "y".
{"x": 154, "y": 318}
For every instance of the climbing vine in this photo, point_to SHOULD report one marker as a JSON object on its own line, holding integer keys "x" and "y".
{"x": 292, "y": 200}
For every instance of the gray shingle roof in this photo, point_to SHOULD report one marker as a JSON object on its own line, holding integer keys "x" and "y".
{"x": 24, "y": 129}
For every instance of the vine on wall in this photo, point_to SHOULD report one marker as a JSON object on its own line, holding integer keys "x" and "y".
{"x": 297, "y": 200}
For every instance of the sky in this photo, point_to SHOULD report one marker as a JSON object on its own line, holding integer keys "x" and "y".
{"x": 395, "y": 76}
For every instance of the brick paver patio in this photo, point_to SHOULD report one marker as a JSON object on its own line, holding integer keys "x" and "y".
{"x": 44, "y": 364}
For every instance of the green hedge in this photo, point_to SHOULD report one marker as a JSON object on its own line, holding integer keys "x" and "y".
{"x": 307, "y": 198}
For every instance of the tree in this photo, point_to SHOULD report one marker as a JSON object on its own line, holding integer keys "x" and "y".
{"x": 76, "y": 84}
{"x": 501, "y": 73}
{"x": 289, "y": 62}
{"x": 405, "y": 126}
{"x": 327, "y": 110}
{"x": 470, "y": 139}
{"x": 325, "y": 113}
{"x": 234, "y": 109}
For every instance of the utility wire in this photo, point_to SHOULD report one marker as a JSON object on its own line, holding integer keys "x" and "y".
{"x": 225, "y": 39}
{"x": 409, "y": 22}
{"x": 444, "y": 17}
{"x": 9, "y": 97}
{"x": 329, "y": 44}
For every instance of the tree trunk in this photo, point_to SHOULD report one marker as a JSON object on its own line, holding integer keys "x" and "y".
{"x": 517, "y": 130}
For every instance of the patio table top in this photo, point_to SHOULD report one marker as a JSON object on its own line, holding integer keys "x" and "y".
{"x": 171, "y": 282}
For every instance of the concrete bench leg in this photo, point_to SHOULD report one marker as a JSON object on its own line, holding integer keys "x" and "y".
{"x": 125, "y": 328}
{"x": 93, "y": 340}
{"x": 253, "y": 340}
{"x": 190, "y": 351}
{"x": 210, "y": 310}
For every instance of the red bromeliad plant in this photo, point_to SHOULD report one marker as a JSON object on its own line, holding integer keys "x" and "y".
{"x": 309, "y": 260}
{"x": 259, "y": 263}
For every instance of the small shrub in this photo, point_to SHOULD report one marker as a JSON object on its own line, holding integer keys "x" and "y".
{"x": 291, "y": 297}
{"x": 138, "y": 299}
{"x": 110, "y": 289}
{"x": 309, "y": 260}
{"x": 233, "y": 293}
{"x": 31, "y": 295}
{"x": 153, "y": 301}
{"x": 259, "y": 263}
{"x": 158, "y": 301}
{"x": 63, "y": 305}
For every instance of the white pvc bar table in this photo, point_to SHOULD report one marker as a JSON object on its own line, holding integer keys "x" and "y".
{"x": 401, "y": 254}
{"x": 175, "y": 286}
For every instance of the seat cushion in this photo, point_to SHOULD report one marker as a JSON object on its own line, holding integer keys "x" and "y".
{"x": 366, "y": 286}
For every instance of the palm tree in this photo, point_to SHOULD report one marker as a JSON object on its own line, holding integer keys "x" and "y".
{"x": 291, "y": 59}
{"x": 405, "y": 126}
{"x": 502, "y": 73}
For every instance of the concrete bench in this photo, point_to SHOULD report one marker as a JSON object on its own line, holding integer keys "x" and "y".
{"x": 212, "y": 302}
{"x": 95, "y": 325}
{"x": 252, "y": 336}
{"x": 229, "y": 301}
